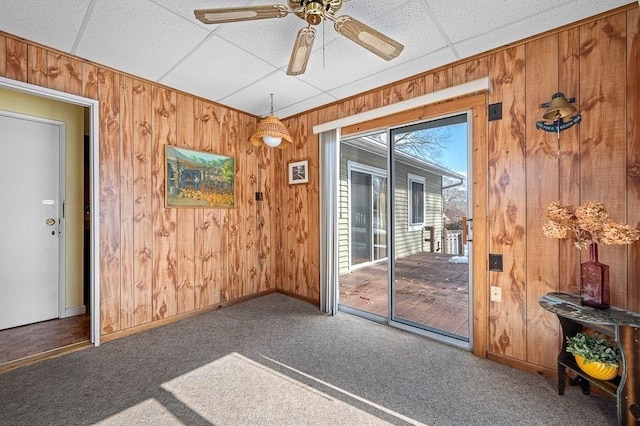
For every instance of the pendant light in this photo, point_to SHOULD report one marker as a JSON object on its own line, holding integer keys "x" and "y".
{"x": 271, "y": 132}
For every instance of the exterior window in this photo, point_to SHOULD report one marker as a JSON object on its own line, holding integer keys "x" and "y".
{"x": 416, "y": 202}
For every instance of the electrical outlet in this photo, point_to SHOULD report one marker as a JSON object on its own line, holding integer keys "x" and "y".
{"x": 496, "y": 294}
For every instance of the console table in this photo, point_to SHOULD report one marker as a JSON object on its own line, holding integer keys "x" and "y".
{"x": 621, "y": 326}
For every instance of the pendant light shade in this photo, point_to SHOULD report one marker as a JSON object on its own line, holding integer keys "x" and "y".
{"x": 271, "y": 132}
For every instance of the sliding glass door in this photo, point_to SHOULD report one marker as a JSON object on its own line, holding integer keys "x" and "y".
{"x": 403, "y": 253}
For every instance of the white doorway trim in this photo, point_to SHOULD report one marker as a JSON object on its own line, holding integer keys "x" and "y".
{"x": 94, "y": 153}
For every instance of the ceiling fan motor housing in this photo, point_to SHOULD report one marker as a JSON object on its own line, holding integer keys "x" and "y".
{"x": 315, "y": 10}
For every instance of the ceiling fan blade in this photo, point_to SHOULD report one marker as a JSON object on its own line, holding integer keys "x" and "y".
{"x": 367, "y": 37}
{"x": 301, "y": 51}
{"x": 237, "y": 14}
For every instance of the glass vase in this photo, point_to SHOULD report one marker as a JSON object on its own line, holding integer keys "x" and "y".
{"x": 594, "y": 281}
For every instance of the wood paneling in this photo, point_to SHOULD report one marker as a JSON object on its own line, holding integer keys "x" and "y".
{"x": 64, "y": 73}
{"x": 127, "y": 203}
{"x": 110, "y": 255}
{"x": 569, "y": 159}
{"x": 185, "y": 218}
{"x": 90, "y": 81}
{"x": 16, "y": 59}
{"x": 142, "y": 208}
{"x": 404, "y": 91}
{"x": 603, "y": 147}
{"x": 164, "y": 302}
{"x": 37, "y": 72}
{"x": 507, "y": 203}
{"x": 204, "y": 238}
{"x": 3, "y": 56}
{"x": 542, "y": 159}
{"x": 633, "y": 153}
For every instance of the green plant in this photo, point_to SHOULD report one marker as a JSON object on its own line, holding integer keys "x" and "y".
{"x": 594, "y": 348}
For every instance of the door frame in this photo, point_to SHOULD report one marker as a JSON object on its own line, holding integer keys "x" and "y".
{"x": 62, "y": 143}
{"x": 352, "y": 166}
{"x": 94, "y": 155}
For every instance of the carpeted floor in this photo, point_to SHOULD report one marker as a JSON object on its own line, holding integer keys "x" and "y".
{"x": 276, "y": 360}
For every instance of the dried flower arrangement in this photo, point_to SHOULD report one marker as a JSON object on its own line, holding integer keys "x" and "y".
{"x": 586, "y": 224}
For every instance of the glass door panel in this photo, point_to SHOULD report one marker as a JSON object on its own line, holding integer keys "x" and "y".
{"x": 430, "y": 282}
{"x": 362, "y": 227}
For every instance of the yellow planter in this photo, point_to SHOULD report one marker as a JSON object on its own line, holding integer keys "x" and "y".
{"x": 596, "y": 369}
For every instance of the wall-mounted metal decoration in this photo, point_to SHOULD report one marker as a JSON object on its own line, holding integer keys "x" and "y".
{"x": 556, "y": 110}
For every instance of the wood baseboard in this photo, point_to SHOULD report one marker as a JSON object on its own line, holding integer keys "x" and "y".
{"x": 522, "y": 365}
{"x": 159, "y": 323}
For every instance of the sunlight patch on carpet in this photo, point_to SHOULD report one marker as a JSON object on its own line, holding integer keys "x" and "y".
{"x": 149, "y": 412}
{"x": 236, "y": 390}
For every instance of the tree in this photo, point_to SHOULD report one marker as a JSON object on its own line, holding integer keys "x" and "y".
{"x": 454, "y": 206}
{"x": 424, "y": 144}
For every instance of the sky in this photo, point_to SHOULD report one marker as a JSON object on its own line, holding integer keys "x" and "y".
{"x": 455, "y": 157}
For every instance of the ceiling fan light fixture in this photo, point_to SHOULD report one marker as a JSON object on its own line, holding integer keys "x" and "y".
{"x": 301, "y": 51}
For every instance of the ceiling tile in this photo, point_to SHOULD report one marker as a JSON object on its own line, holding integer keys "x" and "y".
{"x": 554, "y": 18}
{"x": 286, "y": 90}
{"x": 216, "y": 70}
{"x": 271, "y": 39}
{"x": 462, "y": 20}
{"x": 399, "y": 72}
{"x": 52, "y": 23}
{"x": 305, "y": 105}
{"x": 138, "y": 37}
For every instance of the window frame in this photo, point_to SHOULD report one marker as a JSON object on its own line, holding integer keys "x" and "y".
{"x": 411, "y": 179}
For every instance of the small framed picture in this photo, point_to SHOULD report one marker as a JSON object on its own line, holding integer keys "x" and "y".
{"x": 299, "y": 172}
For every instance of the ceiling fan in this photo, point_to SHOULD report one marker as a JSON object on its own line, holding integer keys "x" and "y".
{"x": 313, "y": 12}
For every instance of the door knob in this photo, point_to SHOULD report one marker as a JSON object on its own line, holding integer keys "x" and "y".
{"x": 50, "y": 221}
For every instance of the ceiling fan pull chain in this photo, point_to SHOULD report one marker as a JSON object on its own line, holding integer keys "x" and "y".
{"x": 323, "y": 39}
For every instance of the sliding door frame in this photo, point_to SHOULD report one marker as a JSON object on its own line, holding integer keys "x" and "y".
{"x": 468, "y": 96}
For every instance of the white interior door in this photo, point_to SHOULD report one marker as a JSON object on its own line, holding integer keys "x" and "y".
{"x": 29, "y": 219}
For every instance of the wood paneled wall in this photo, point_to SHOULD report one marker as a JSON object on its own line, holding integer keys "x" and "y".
{"x": 157, "y": 263}
{"x": 598, "y": 63}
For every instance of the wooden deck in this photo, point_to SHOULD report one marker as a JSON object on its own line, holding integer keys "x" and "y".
{"x": 429, "y": 290}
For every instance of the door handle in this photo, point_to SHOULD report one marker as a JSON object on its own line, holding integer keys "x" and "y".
{"x": 464, "y": 229}
{"x": 466, "y": 222}
{"x": 50, "y": 221}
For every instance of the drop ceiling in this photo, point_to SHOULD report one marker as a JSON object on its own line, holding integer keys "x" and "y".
{"x": 241, "y": 64}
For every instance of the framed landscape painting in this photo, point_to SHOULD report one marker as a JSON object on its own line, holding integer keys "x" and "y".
{"x": 199, "y": 179}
